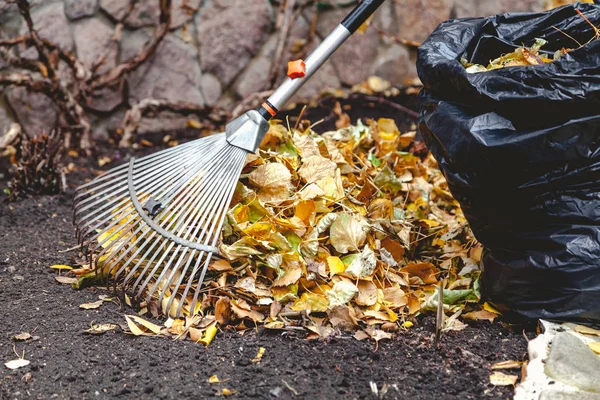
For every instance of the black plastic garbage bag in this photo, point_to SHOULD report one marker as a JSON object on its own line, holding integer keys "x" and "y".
{"x": 520, "y": 148}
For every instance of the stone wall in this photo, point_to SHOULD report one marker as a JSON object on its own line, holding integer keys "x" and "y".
{"x": 220, "y": 51}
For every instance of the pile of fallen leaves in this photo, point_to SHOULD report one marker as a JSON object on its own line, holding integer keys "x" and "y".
{"x": 530, "y": 56}
{"x": 521, "y": 57}
{"x": 348, "y": 230}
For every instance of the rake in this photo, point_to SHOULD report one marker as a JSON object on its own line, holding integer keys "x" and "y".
{"x": 152, "y": 226}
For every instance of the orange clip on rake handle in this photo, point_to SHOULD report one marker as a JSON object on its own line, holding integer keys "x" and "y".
{"x": 296, "y": 69}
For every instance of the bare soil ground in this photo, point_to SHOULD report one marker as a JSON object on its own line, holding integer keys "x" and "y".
{"x": 67, "y": 363}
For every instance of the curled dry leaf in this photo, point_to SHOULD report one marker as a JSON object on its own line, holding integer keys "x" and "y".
{"x": 140, "y": 327}
{"x": 595, "y": 346}
{"x": 243, "y": 310}
{"x": 67, "y": 280}
{"x": 91, "y": 306}
{"x": 481, "y": 315}
{"x": 510, "y": 364}
{"x": 99, "y": 329}
{"x": 16, "y": 364}
{"x": 502, "y": 379}
{"x": 22, "y": 336}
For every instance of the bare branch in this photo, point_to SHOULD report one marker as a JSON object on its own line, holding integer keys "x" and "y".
{"x": 287, "y": 7}
{"x": 113, "y": 75}
{"x": 37, "y": 42}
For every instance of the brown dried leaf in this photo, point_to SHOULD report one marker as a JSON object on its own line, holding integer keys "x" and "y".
{"x": 367, "y": 293}
{"x": 243, "y": 310}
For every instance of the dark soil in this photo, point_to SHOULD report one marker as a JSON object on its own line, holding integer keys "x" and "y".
{"x": 66, "y": 363}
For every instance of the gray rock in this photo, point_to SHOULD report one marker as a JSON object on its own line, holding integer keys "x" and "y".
{"x": 324, "y": 78}
{"x": 522, "y": 5}
{"x": 106, "y": 99}
{"x": 561, "y": 395}
{"x": 172, "y": 73}
{"x": 183, "y": 11}
{"x": 485, "y": 8}
{"x": 478, "y": 8}
{"x": 230, "y": 33}
{"x": 76, "y": 9}
{"x": 147, "y": 12}
{"x": 394, "y": 64}
{"x": 354, "y": 59}
{"x": 36, "y": 112}
{"x": 92, "y": 37}
{"x": 115, "y": 8}
{"x": 51, "y": 23}
{"x": 254, "y": 78}
{"x": 6, "y": 119}
{"x": 417, "y": 18}
{"x": 572, "y": 362}
{"x": 211, "y": 88}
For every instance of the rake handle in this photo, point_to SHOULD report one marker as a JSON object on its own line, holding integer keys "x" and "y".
{"x": 318, "y": 57}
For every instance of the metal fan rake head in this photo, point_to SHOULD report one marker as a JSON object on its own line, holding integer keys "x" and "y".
{"x": 151, "y": 227}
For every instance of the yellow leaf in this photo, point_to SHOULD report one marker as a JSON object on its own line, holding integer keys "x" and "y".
{"x": 305, "y": 210}
{"x": 43, "y": 70}
{"x": 595, "y": 346}
{"x": 209, "y": 335}
{"x": 363, "y": 28}
{"x": 259, "y": 355}
{"x": 336, "y": 266}
{"x": 393, "y": 316}
{"x": 311, "y": 302}
{"x": 408, "y": 324}
{"x": 61, "y": 267}
{"x": 488, "y": 307}
{"x": 501, "y": 379}
{"x": 133, "y": 327}
{"x": 192, "y": 123}
{"x": 585, "y": 330}
{"x": 213, "y": 379}
{"x": 259, "y": 230}
{"x": 146, "y": 324}
{"x": 227, "y": 392}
